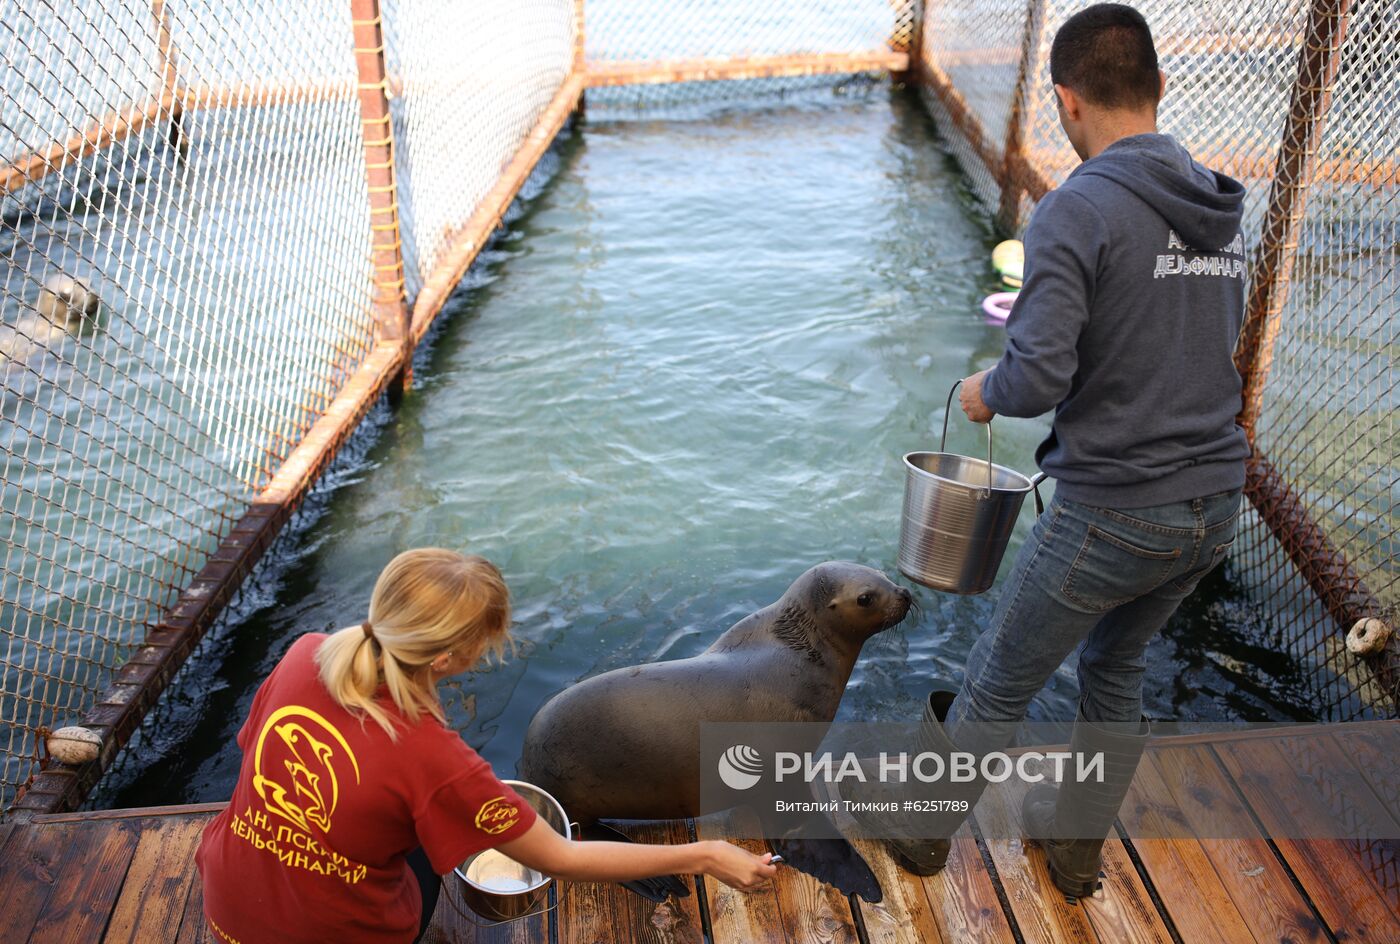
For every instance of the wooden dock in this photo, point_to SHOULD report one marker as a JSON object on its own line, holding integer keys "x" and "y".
{"x": 128, "y": 875}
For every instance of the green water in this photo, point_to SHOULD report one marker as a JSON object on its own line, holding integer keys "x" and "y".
{"x": 685, "y": 374}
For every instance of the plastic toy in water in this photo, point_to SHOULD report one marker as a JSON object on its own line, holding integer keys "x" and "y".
{"x": 996, "y": 307}
{"x": 1009, "y": 258}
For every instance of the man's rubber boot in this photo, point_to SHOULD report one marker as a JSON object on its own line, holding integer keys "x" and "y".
{"x": 1072, "y": 821}
{"x": 924, "y": 854}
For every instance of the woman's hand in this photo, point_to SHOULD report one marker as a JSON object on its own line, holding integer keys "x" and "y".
{"x": 738, "y": 867}
{"x": 543, "y": 849}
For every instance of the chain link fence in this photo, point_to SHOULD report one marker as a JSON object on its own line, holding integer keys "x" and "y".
{"x": 223, "y": 225}
{"x": 187, "y": 284}
{"x": 1300, "y": 99}
{"x": 178, "y": 306}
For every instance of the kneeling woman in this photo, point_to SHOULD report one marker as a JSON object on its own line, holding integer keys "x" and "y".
{"x": 354, "y": 796}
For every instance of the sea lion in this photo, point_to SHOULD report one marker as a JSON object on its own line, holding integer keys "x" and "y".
{"x": 626, "y": 744}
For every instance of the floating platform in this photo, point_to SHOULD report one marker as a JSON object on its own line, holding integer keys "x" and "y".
{"x": 129, "y": 876}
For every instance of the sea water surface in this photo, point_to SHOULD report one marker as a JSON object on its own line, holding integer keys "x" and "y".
{"x": 686, "y": 373}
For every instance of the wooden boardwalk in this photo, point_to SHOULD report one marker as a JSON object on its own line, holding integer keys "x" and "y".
{"x": 129, "y": 876}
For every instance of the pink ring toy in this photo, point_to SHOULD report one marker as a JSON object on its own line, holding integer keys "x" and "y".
{"x": 997, "y": 306}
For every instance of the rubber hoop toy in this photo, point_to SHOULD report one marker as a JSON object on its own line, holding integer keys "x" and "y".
{"x": 997, "y": 306}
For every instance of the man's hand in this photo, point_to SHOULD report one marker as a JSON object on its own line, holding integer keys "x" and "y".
{"x": 970, "y": 398}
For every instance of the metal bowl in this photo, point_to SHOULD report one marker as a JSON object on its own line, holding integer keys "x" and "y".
{"x": 497, "y": 887}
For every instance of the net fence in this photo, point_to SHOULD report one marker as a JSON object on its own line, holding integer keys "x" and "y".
{"x": 691, "y": 59}
{"x": 186, "y": 281}
{"x": 201, "y": 203}
{"x": 1328, "y": 490}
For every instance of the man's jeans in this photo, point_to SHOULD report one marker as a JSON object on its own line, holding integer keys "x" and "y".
{"x": 1105, "y": 578}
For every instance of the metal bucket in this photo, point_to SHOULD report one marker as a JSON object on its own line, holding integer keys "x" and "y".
{"x": 497, "y": 887}
{"x": 958, "y": 515}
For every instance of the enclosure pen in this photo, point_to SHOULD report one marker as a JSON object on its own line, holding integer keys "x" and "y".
{"x": 246, "y": 222}
{"x": 158, "y": 439}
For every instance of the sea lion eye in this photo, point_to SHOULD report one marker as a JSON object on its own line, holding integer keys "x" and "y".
{"x": 865, "y": 599}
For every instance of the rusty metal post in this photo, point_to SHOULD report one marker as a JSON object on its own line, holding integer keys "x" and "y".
{"x": 391, "y": 313}
{"x": 169, "y": 81}
{"x": 1318, "y": 62}
{"x": 580, "y": 52}
{"x": 1014, "y": 152}
{"x": 1326, "y": 569}
{"x": 911, "y": 43}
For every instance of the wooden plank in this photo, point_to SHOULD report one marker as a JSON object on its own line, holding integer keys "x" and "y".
{"x": 92, "y": 874}
{"x": 1242, "y": 859}
{"x": 958, "y": 904}
{"x": 592, "y": 911}
{"x": 152, "y": 901}
{"x": 676, "y": 921}
{"x": 29, "y": 873}
{"x": 135, "y": 812}
{"x": 963, "y": 897}
{"x": 1376, "y": 753}
{"x": 193, "y": 928}
{"x": 1194, "y": 895}
{"x": 906, "y": 915}
{"x": 1388, "y": 729}
{"x": 1329, "y": 872}
{"x": 812, "y": 911}
{"x": 666, "y": 71}
{"x": 743, "y": 917}
{"x": 1122, "y": 911}
{"x": 1344, "y": 789}
{"x": 1040, "y": 911}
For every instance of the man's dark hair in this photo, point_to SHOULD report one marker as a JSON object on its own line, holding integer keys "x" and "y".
{"x": 1104, "y": 53}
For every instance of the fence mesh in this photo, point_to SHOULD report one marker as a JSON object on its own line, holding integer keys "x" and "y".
{"x": 186, "y": 277}
{"x": 1327, "y": 423}
{"x": 465, "y": 106}
{"x": 186, "y": 281}
{"x": 178, "y": 306}
{"x": 651, "y": 31}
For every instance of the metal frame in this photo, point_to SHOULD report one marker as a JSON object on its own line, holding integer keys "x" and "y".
{"x": 138, "y": 684}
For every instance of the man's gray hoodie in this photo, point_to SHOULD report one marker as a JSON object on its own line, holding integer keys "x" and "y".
{"x": 1126, "y": 325}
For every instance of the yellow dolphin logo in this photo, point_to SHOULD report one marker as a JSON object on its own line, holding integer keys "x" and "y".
{"x": 306, "y": 743}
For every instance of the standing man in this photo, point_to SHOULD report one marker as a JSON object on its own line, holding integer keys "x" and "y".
{"x": 1125, "y": 327}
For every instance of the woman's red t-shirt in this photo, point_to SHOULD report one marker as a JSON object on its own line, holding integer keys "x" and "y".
{"x": 312, "y": 846}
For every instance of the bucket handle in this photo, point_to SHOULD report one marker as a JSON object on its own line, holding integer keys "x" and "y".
{"x": 943, "y": 442}
{"x": 481, "y": 921}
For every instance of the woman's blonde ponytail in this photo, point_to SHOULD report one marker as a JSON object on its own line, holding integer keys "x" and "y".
{"x": 428, "y": 602}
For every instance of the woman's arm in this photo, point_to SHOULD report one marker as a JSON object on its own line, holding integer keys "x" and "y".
{"x": 544, "y": 849}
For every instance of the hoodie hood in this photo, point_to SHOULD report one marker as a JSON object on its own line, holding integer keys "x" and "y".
{"x": 1204, "y": 207}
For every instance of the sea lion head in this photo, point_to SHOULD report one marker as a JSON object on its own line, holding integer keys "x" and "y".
{"x": 845, "y": 602}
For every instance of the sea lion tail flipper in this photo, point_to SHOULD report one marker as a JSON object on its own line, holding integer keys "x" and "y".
{"x": 831, "y": 860}
{"x": 656, "y": 889}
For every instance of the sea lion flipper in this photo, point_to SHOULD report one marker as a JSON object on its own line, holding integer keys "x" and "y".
{"x": 831, "y": 860}
{"x": 656, "y": 889}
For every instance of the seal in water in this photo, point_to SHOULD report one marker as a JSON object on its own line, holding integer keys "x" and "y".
{"x": 626, "y": 744}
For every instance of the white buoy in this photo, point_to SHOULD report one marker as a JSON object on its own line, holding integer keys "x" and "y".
{"x": 1368, "y": 636}
{"x": 66, "y": 306}
{"x": 65, "y": 302}
{"x": 74, "y": 745}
